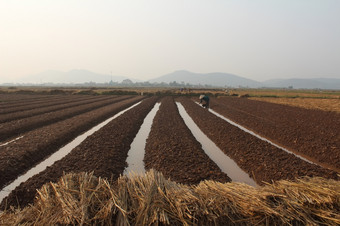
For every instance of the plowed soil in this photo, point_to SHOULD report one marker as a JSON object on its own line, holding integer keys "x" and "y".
{"x": 15, "y": 128}
{"x": 309, "y": 103}
{"x": 104, "y": 152}
{"x": 21, "y": 112}
{"x": 313, "y": 133}
{"x": 44, "y": 102}
{"x": 12, "y": 100}
{"x": 56, "y": 103}
{"x": 262, "y": 161}
{"x": 19, "y": 156}
{"x": 172, "y": 149}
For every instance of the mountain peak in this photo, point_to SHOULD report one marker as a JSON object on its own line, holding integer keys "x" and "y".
{"x": 214, "y": 79}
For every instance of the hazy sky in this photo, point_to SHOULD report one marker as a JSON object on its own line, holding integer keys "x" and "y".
{"x": 256, "y": 39}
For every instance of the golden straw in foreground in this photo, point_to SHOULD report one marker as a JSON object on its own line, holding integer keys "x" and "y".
{"x": 151, "y": 199}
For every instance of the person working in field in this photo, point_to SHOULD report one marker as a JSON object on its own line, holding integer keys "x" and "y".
{"x": 205, "y": 100}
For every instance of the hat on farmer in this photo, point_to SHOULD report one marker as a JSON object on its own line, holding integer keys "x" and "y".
{"x": 201, "y": 97}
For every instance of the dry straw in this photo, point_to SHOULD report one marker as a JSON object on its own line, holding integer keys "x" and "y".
{"x": 151, "y": 199}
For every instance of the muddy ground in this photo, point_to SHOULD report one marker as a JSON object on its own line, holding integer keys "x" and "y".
{"x": 104, "y": 152}
{"x": 172, "y": 149}
{"x": 14, "y": 128}
{"x": 19, "y": 156}
{"x": 15, "y": 113}
{"x": 261, "y": 160}
{"x": 43, "y": 102}
{"x": 313, "y": 133}
{"x": 9, "y": 100}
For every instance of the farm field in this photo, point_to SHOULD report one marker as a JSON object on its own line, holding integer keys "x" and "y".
{"x": 311, "y": 133}
{"x": 35, "y": 145}
{"x": 33, "y": 127}
{"x": 309, "y": 103}
{"x": 172, "y": 150}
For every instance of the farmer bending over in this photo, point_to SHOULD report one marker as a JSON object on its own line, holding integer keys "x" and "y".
{"x": 205, "y": 100}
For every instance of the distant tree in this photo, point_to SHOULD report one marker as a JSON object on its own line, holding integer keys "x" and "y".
{"x": 127, "y": 82}
{"x": 174, "y": 83}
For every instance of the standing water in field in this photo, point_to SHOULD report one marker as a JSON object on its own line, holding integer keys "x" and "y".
{"x": 226, "y": 164}
{"x": 62, "y": 152}
{"x": 4, "y": 144}
{"x": 258, "y": 136}
{"x": 137, "y": 150}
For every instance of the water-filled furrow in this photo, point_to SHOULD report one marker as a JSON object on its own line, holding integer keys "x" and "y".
{"x": 137, "y": 149}
{"x": 257, "y": 135}
{"x": 11, "y": 141}
{"x": 62, "y": 152}
{"x": 226, "y": 164}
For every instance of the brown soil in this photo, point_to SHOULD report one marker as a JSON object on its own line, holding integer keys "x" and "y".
{"x": 15, "y": 128}
{"x": 38, "y": 109}
{"x": 104, "y": 152}
{"x": 19, "y": 156}
{"x": 172, "y": 149}
{"x": 313, "y": 133}
{"x": 262, "y": 161}
{"x": 44, "y": 102}
{"x": 309, "y": 103}
{"x": 19, "y": 99}
{"x": 27, "y": 103}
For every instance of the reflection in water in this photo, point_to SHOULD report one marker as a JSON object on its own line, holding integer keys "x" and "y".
{"x": 4, "y": 144}
{"x": 137, "y": 150}
{"x": 257, "y": 135}
{"x": 62, "y": 152}
{"x": 226, "y": 164}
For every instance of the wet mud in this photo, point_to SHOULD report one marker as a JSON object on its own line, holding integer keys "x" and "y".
{"x": 172, "y": 149}
{"x": 19, "y": 156}
{"x": 261, "y": 160}
{"x": 135, "y": 163}
{"x": 59, "y": 154}
{"x": 311, "y": 132}
{"x": 104, "y": 153}
{"x": 38, "y": 109}
{"x": 226, "y": 164}
{"x": 16, "y": 100}
{"x": 17, "y": 127}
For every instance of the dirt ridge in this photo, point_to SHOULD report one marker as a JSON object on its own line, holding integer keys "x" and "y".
{"x": 104, "y": 153}
{"x": 17, "y": 127}
{"x": 19, "y": 156}
{"x": 173, "y": 150}
{"x": 313, "y": 133}
{"x": 263, "y": 161}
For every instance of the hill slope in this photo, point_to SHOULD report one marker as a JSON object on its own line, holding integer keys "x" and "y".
{"x": 214, "y": 79}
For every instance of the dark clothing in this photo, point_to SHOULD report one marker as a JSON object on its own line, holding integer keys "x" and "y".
{"x": 206, "y": 101}
{"x": 205, "y": 98}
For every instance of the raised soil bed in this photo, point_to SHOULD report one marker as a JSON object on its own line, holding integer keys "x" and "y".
{"x": 263, "y": 161}
{"x": 313, "y": 133}
{"x": 104, "y": 153}
{"x": 172, "y": 149}
{"x": 19, "y": 156}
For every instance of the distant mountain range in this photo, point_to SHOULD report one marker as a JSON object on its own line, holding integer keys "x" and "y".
{"x": 213, "y": 79}
{"x": 73, "y": 76}
{"x": 182, "y": 77}
{"x": 230, "y": 80}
